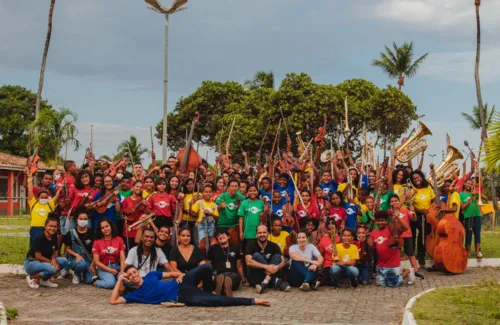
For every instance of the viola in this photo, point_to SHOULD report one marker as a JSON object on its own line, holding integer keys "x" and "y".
{"x": 395, "y": 240}
{"x": 320, "y": 137}
{"x": 32, "y": 162}
{"x": 287, "y": 220}
{"x": 111, "y": 171}
{"x": 189, "y": 158}
{"x": 450, "y": 255}
{"x": 433, "y": 217}
{"x": 102, "y": 203}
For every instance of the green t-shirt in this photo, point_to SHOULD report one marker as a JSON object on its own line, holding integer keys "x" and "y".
{"x": 385, "y": 203}
{"x": 366, "y": 219}
{"x": 250, "y": 211}
{"x": 123, "y": 196}
{"x": 228, "y": 217}
{"x": 472, "y": 210}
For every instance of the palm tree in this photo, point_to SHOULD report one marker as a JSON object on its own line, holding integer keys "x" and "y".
{"x": 44, "y": 61}
{"x": 135, "y": 149}
{"x": 474, "y": 120}
{"x": 261, "y": 79}
{"x": 399, "y": 63}
{"x": 492, "y": 148}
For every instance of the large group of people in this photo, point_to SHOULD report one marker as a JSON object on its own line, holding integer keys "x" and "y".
{"x": 179, "y": 236}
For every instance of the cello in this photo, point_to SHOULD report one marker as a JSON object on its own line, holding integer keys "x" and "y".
{"x": 432, "y": 217}
{"x": 189, "y": 158}
{"x": 450, "y": 255}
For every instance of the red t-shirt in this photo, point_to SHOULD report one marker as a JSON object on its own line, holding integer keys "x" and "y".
{"x": 108, "y": 250}
{"x": 338, "y": 214}
{"x": 311, "y": 211}
{"x": 406, "y": 218}
{"x": 130, "y": 203}
{"x": 325, "y": 248}
{"x": 387, "y": 256}
{"x": 162, "y": 204}
{"x": 318, "y": 202}
{"x": 70, "y": 183}
{"x": 79, "y": 196}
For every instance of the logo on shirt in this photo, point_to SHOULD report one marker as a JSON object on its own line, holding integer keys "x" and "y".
{"x": 320, "y": 206}
{"x": 326, "y": 190}
{"x": 268, "y": 256}
{"x": 350, "y": 210}
{"x": 346, "y": 258}
{"x": 279, "y": 213}
{"x": 254, "y": 210}
{"x": 163, "y": 204}
{"x": 380, "y": 239}
{"x": 302, "y": 213}
{"x": 110, "y": 205}
{"x": 422, "y": 196}
{"x": 265, "y": 199}
{"x": 336, "y": 217}
{"x": 382, "y": 201}
{"x": 283, "y": 193}
{"x": 232, "y": 254}
{"x": 231, "y": 206}
{"x": 43, "y": 212}
{"x": 110, "y": 250}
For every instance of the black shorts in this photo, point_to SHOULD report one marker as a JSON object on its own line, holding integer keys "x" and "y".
{"x": 408, "y": 246}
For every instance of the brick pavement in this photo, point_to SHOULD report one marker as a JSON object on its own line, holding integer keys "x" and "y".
{"x": 83, "y": 304}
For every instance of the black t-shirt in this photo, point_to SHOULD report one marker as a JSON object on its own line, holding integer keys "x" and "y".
{"x": 183, "y": 265}
{"x": 268, "y": 251}
{"x": 165, "y": 249}
{"x": 219, "y": 256}
{"x": 43, "y": 245}
{"x": 86, "y": 238}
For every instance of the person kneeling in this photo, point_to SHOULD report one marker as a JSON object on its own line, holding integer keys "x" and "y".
{"x": 306, "y": 259}
{"x": 345, "y": 261}
{"x": 151, "y": 290}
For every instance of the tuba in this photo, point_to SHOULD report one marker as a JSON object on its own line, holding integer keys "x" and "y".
{"x": 448, "y": 167}
{"x": 414, "y": 145}
{"x": 300, "y": 144}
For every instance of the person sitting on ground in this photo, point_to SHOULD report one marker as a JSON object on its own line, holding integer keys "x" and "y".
{"x": 226, "y": 261}
{"x": 146, "y": 257}
{"x": 306, "y": 260}
{"x": 109, "y": 254}
{"x": 78, "y": 247}
{"x": 347, "y": 256}
{"x": 388, "y": 258}
{"x": 42, "y": 261}
{"x": 183, "y": 291}
{"x": 264, "y": 262}
{"x": 186, "y": 256}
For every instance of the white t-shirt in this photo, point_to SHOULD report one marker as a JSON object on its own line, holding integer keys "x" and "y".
{"x": 145, "y": 267}
{"x": 309, "y": 252}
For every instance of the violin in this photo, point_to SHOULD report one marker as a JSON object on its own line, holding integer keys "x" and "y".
{"x": 189, "y": 158}
{"x": 111, "y": 171}
{"x": 287, "y": 220}
{"x": 64, "y": 200}
{"x": 321, "y": 132}
{"x": 32, "y": 162}
{"x": 102, "y": 203}
{"x": 395, "y": 241}
{"x": 131, "y": 210}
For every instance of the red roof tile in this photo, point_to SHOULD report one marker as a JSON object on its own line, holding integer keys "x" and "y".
{"x": 16, "y": 162}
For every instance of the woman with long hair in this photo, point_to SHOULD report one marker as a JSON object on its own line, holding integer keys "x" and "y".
{"x": 186, "y": 256}
{"x": 133, "y": 208}
{"x": 109, "y": 197}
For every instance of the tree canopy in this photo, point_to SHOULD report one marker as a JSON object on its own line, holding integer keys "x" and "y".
{"x": 302, "y": 103}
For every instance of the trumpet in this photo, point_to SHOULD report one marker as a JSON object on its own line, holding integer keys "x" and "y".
{"x": 142, "y": 222}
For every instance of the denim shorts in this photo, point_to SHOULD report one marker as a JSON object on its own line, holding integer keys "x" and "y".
{"x": 389, "y": 276}
{"x": 202, "y": 232}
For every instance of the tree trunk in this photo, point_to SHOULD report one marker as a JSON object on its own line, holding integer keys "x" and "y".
{"x": 44, "y": 62}
{"x": 66, "y": 151}
{"x": 484, "y": 134}
{"x": 401, "y": 81}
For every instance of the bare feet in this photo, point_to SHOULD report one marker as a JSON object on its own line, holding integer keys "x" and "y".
{"x": 172, "y": 304}
{"x": 262, "y": 302}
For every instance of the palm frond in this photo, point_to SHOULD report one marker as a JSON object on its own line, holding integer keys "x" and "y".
{"x": 473, "y": 122}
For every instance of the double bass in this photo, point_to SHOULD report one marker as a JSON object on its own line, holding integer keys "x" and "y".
{"x": 450, "y": 255}
{"x": 189, "y": 158}
{"x": 433, "y": 217}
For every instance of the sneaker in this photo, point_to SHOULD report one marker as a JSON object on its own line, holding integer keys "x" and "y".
{"x": 305, "y": 286}
{"x": 283, "y": 286}
{"x": 432, "y": 269}
{"x": 411, "y": 275}
{"x": 410, "y": 282}
{"x": 479, "y": 255}
{"x": 354, "y": 283}
{"x": 316, "y": 285}
{"x": 420, "y": 276}
{"x": 335, "y": 283}
{"x": 228, "y": 287}
{"x": 94, "y": 279}
{"x": 32, "y": 282}
{"x": 261, "y": 288}
{"x": 76, "y": 278}
{"x": 219, "y": 280}
{"x": 63, "y": 274}
{"x": 364, "y": 283}
{"x": 48, "y": 283}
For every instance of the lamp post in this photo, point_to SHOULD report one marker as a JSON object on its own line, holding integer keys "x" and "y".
{"x": 176, "y": 6}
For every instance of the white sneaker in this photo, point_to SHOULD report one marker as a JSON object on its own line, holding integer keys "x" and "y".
{"x": 48, "y": 283}
{"x": 63, "y": 274}
{"x": 32, "y": 282}
{"x": 305, "y": 286}
{"x": 76, "y": 279}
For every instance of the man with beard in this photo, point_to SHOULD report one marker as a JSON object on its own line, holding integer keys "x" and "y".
{"x": 265, "y": 262}
{"x": 162, "y": 242}
{"x": 146, "y": 257}
{"x": 226, "y": 261}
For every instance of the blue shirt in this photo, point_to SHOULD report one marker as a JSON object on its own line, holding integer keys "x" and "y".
{"x": 265, "y": 196}
{"x": 443, "y": 198}
{"x": 110, "y": 212}
{"x": 352, "y": 217}
{"x": 154, "y": 291}
{"x": 329, "y": 188}
{"x": 289, "y": 188}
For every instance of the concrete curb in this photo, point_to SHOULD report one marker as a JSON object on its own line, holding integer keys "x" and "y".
{"x": 408, "y": 318}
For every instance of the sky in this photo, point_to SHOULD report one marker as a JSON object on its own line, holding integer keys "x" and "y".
{"x": 106, "y": 57}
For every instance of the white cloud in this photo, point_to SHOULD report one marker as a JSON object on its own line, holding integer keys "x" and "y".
{"x": 459, "y": 66}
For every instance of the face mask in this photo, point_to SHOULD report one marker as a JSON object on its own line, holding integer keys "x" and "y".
{"x": 119, "y": 176}
{"x": 83, "y": 223}
{"x": 44, "y": 201}
{"x": 56, "y": 178}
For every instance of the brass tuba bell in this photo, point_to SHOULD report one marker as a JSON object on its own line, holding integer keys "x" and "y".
{"x": 414, "y": 145}
{"x": 448, "y": 167}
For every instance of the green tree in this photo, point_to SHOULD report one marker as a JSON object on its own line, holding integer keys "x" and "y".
{"x": 133, "y": 147}
{"x": 474, "y": 119}
{"x": 492, "y": 148}
{"x": 398, "y": 63}
{"x": 261, "y": 79}
{"x": 17, "y": 113}
{"x": 57, "y": 130}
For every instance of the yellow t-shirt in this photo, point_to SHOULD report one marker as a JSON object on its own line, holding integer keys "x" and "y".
{"x": 185, "y": 212}
{"x": 454, "y": 198}
{"x": 145, "y": 194}
{"x": 279, "y": 240}
{"x": 424, "y": 197}
{"x": 398, "y": 190}
{"x": 206, "y": 205}
{"x": 342, "y": 186}
{"x": 40, "y": 212}
{"x": 347, "y": 254}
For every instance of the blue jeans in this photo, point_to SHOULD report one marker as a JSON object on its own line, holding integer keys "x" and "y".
{"x": 106, "y": 279}
{"x": 35, "y": 231}
{"x": 472, "y": 226}
{"x": 81, "y": 269}
{"x": 192, "y": 296}
{"x": 339, "y": 271}
{"x": 364, "y": 271}
{"x": 256, "y": 276}
{"x": 300, "y": 273}
{"x": 45, "y": 269}
{"x": 389, "y": 276}
{"x": 67, "y": 223}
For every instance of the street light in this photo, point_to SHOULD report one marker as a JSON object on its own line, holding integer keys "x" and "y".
{"x": 176, "y": 6}
{"x": 432, "y": 156}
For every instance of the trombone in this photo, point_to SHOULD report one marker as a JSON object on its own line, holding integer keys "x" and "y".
{"x": 142, "y": 222}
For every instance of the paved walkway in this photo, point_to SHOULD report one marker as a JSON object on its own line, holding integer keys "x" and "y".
{"x": 83, "y": 304}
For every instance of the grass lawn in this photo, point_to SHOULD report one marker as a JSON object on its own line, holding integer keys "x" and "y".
{"x": 490, "y": 245}
{"x": 479, "y": 304}
{"x": 15, "y": 221}
{"x": 13, "y": 230}
{"x": 13, "y": 249}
